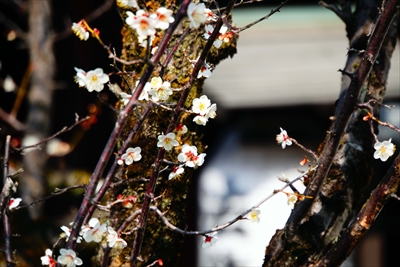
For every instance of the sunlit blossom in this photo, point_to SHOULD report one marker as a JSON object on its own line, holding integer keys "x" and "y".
{"x": 128, "y": 3}
{"x": 210, "y": 15}
{"x": 176, "y": 170}
{"x": 190, "y": 157}
{"x": 384, "y": 149}
{"x": 144, "y": 95}
{"x": 200, "y": 120}
{"x": 201, "y": 105}
{"x": 220, "y": 38}
{"x": 95, "y": 232}
{"x": 210, "y": 113}
{"x": 114, "y": 240}
{"x": 57, "y": 148}
{"x": 93, "y": 80}
{"x": 67, "y": 232}
{"x": 131, "y": 155}
{"x": 209, "y": 240}
{"x": 167, "y": 141}
{"x": 125, "y": 98}
{"x": 163, "y": 17}
{"x": 283, "y": 139}
{"x": 68, "y": 258}
{"x": 181, "y": 129}
{"x": 253, "y": 216}
{"x": 160, "y": 91}
{"x": 14, "y": 202}
{"x": 196, "y": 14}
{"x": 48, "y": 259}
{"x": 205, "y": 70}
{"x": 80, "y": 30}
{"x": 141, "y": 22}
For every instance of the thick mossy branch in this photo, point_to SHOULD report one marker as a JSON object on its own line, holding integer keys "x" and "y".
{"x": 345, "y": 160}
{"x": 159, "y": 242}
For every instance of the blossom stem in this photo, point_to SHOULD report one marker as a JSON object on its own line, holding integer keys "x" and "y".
{"x": 231, "y": 222}
{"x": 304, "y": 148}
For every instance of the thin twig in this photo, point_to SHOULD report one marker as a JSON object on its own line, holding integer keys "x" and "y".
{"x": 273, "y": 11}
{"x": 63, "y": 130}
{"x": 57, "y": 192}
{"x": 234, "y": 220}
{"x": 304, "y": 148}
{"x": 343, "y": 14}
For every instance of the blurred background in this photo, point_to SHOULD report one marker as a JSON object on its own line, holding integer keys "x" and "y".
{"x": 284, "y": 75}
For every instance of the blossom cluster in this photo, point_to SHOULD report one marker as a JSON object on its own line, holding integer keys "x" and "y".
{"x": 204, "y": 109}
{"x": 146, "y": 23}
{"x": 93, "y": 232}
{"x": 223, "y": 36}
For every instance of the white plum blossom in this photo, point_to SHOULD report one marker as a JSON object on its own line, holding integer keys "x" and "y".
{"x": 68, "y": 258}
{"x": 93, "y": 80}
{"x": 14, "y": 202}
{"x": 80, "y": 77}
{"x": 131, "y": 155}
{"x": 57, "y": 148}
{"x": 283, "y": 139}
{"x": 218, "y": 41}
{"x": 167, "y": 141}
{"x": 176, "y": 170}
{"x": 205, "y": 70}
{"x": 181, "y": 129}
{"x": 201, "y": 105}
{"x": 159, "y": 90}
{"x": 196, "y": 14}
{"x": 141, "y": 22}
{"x": 384, "y": 149}
{"x": 163, "y": 17}
{"x": 210, "y": 113}
{"x": 143, "y": 41}
{"x": 9, "y": 84}
{"x": 210, "y": 15}
{"x": 128, "y": 3}
{"x": 253, "y": 215}
{"x": 125, "y": 98}
{"x": 209, "y": 240}
{"x": 48, "y": 259}
{"x": 67, "y": 232}
{"x": 80, "y": 30}
{"x": 200, "y": 120}
{"x": 114, "y": 241}
{"x": 95, "y": 232}
{"x": 190, "y": 157}
{"x": 144, "y": 95}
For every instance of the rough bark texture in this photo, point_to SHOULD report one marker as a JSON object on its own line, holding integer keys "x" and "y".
{"x": 171, "y": 195}
{"x": 316, "y": 224}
